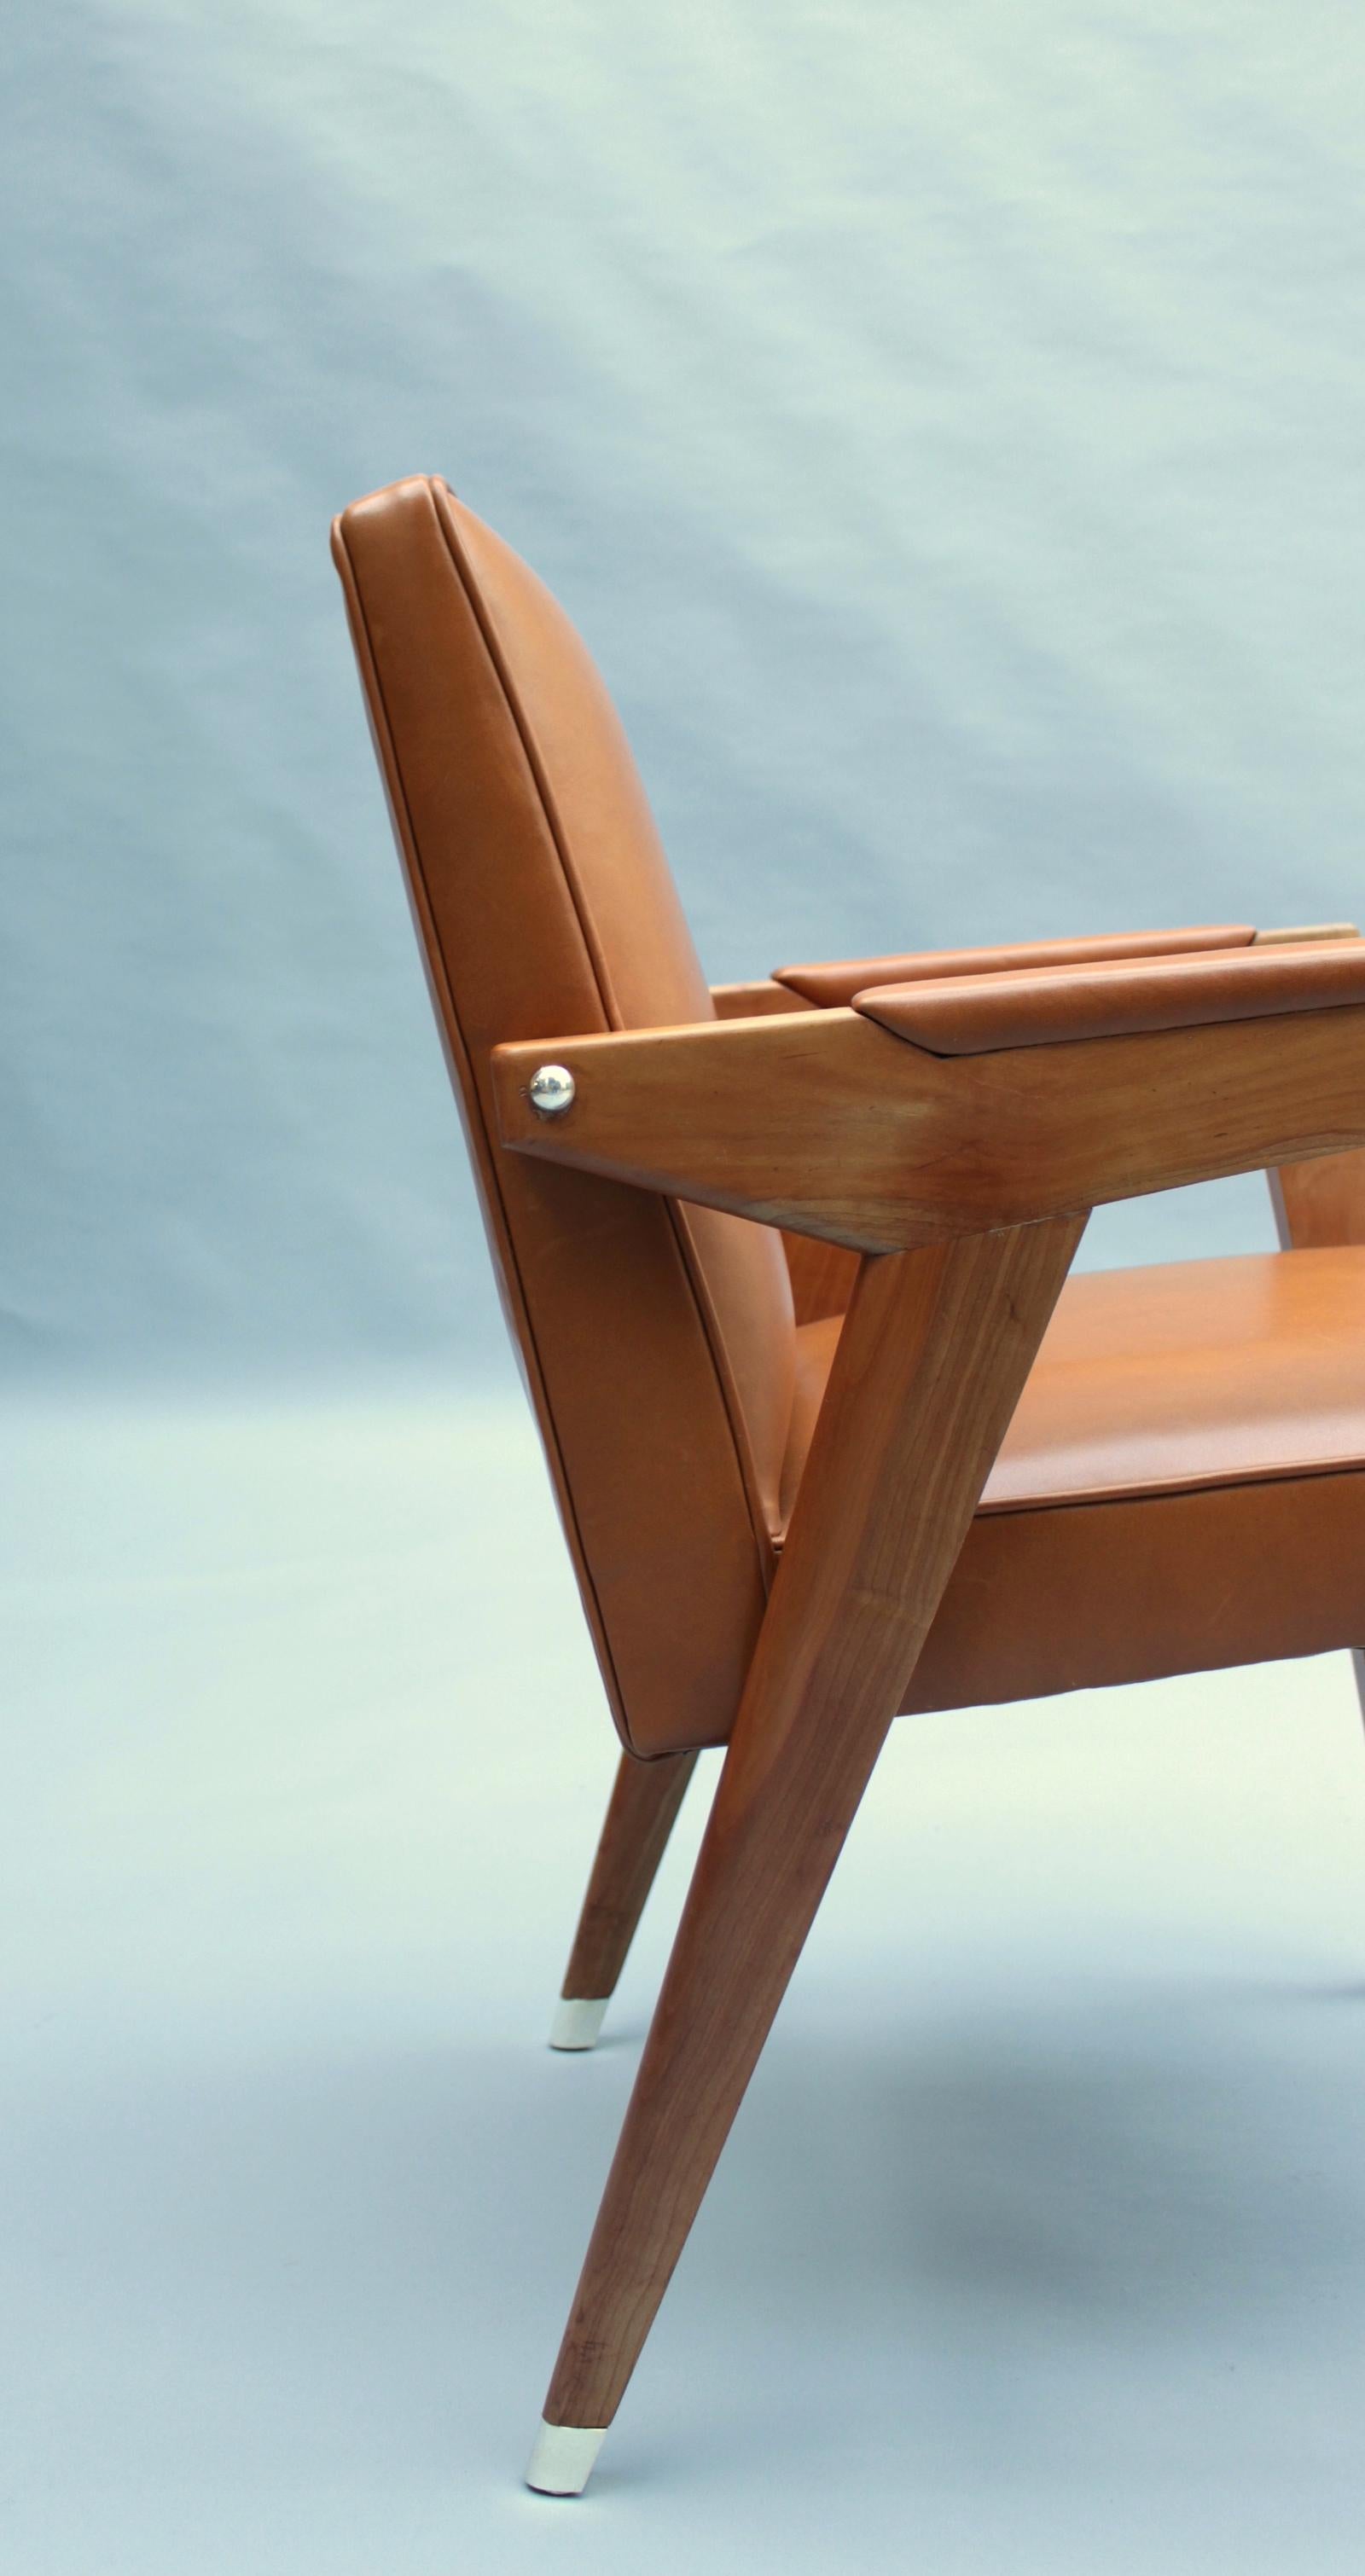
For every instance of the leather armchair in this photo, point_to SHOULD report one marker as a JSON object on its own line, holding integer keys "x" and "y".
{"x": 833, "y": 1431}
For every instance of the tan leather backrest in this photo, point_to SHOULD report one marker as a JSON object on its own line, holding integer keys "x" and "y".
{"x": 657, "y": 1342}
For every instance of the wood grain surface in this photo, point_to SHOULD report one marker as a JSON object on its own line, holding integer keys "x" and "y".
{"x": 825, "y": 1124}
{"x": 930, "y": 1366}
{"x": 640, "y": 1816}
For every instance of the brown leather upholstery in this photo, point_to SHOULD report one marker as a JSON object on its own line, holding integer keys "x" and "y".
{"x": 1184, "y": 1482}
{"x": 1182, "y": 1487}
{"x": 979, "y": 1014}
{"x": 658, "y": 1343}
{"x": 833, "y": 985}
{"x": 1090, "y": 1594}
{"x": 1192, "y": 1373}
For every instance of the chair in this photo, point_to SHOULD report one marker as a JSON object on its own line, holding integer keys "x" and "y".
{"x": 832, "y": 1431}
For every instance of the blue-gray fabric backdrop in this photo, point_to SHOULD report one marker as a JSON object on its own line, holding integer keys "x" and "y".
{"x": 946, "y": 427}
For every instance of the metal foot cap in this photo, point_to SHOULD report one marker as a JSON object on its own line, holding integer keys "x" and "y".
{"x": 577, "y": 2021}
{"x": 562, "y": 2461}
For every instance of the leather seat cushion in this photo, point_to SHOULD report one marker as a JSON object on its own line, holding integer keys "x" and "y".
{"x": 1192, "y": 1373}
{"x": 1182, "y": 1487}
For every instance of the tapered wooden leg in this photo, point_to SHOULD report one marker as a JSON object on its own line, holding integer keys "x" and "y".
{"x": 929, "y": 1369}
{"x": 640, "y": 1815}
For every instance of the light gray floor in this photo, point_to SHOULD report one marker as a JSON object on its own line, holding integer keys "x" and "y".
{"x": 1039, "y": 2246}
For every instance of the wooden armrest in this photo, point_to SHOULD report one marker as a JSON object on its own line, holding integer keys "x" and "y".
{"x": 1316, "y": 930}
{"x": 1048, "y": 1005}
{"x": 830, "y": 986}
{"x": 810, "y": 988}
{"x": 755, "y": 1001}
{"x": 824, "y": 1123}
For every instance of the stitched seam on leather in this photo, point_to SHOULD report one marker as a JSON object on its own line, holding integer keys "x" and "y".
{"x": 474, "y": 1110}
{"x": 1303, "y": 1474}
{"x": 1303, "y": 1471}
{"x": 1095, "y": 1496}
{"x": 712, "y": 1331}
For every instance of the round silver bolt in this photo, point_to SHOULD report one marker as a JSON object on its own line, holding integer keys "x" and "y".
{"x": 550, "y": 1090}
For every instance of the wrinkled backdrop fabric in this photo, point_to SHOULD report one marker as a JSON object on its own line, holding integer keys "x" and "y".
{"x": 945, "y": 427}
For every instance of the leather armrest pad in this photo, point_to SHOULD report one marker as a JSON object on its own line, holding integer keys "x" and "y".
{"x": 831, "y": 987}
{"x": 1109, "y": 997}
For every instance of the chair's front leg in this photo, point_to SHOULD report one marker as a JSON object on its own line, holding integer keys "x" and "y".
{"x": 929, "y": 1368}
{"x": 640, "y": 1816}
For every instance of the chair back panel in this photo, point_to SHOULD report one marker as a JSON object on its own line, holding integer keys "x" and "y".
{"x": 657, "y": 1342}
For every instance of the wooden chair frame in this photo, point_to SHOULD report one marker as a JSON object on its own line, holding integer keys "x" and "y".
{"x": 963, "y": 1187}
{"x": 928, "y": 1133}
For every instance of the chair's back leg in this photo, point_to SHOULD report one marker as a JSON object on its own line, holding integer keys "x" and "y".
{"x": 1316, "y": 1205}
{"x": 639, "y": 1819}
{"x": 929, "y": 1369}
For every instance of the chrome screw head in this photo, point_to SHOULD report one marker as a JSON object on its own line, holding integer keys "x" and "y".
{"x": 550, "y": 1090}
